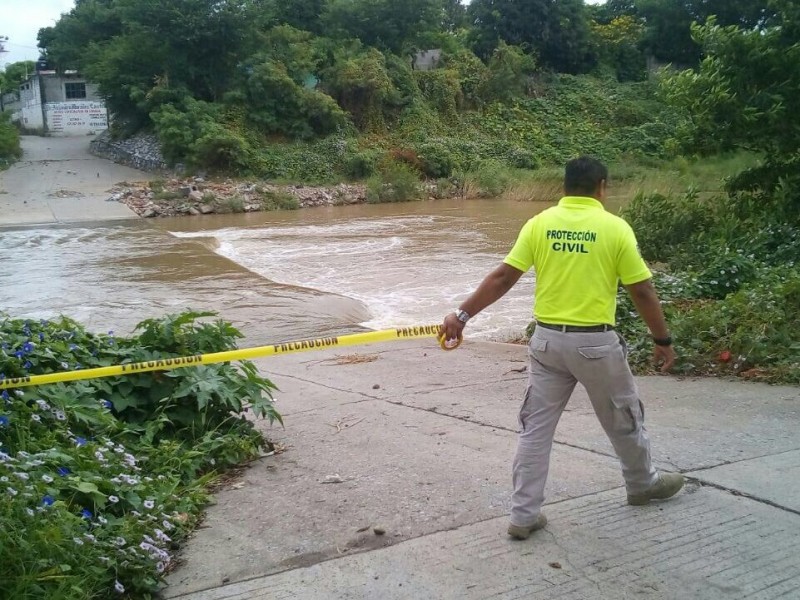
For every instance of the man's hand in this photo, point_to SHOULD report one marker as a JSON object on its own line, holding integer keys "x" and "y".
{"x": 452, "y": 329}
{"x": 665, "y": 356}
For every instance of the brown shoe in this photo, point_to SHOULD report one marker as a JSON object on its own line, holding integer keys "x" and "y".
{"x": 523, "y": 533}
{"x": 667, "y": 486}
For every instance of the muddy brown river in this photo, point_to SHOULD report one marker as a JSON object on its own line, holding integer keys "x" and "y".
{"x": 278, "y": 276}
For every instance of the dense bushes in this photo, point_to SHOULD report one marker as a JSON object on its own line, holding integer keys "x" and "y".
{"x": 100, "y": 479}
{"x": 9, "y": 141}
{"x": 730, "y": 282}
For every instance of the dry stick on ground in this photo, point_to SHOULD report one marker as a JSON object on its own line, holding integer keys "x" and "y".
{"x": 346, "y": 423}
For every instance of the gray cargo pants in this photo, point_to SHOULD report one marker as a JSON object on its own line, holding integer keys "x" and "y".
{"x": 558, "y": 361}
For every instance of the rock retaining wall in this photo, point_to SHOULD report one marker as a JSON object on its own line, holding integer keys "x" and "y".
{"x": 141, "y": 151}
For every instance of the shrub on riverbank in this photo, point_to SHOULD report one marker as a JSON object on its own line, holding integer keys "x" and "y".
{"x": 101, "y": 479}
{"x": 10, "y": 149}
{"x": 730, "y": 283}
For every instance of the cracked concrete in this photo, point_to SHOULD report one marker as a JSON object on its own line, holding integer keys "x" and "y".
{"x": 426, "y": 456}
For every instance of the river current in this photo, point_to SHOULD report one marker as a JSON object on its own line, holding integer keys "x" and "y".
{"x": 278, "y": 276}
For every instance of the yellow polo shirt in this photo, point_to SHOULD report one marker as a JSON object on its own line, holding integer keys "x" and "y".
{"x": 580, "y": 253}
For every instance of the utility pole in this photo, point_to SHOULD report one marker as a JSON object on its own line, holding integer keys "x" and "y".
{"x": 3, "y": 40}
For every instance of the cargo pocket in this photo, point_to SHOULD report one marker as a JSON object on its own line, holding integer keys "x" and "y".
{"x": 537, "y": 345}
{"x": 628, "y": 414}
{"x": 524, "y": 410}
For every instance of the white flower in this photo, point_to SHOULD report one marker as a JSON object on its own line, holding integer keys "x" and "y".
{"x": 119, "y": 587}
{"x": 78, "y": 541}
{"x": 160, "y": 566}
{"x": 162, "y": 536}
{"x": 110, "y": 444}
{"x": 120, "y": 541}
{"x": 12, "y": 491}
{"x": 43, "y": 405}
{"x": 60, "y": 415}
{"x": 64, "y": 366}
{"x": 167, "y": 525}
{"x": 4, "y": 479}
{"x": 102, "y": 520}
{"x": 149, "y": 504}
{"x": 99, "y": 456}
{"x": 104, "y": 559}
{"x": 113, "y": 499}
{"x": 30, "y": 512}
{"x": 36, "y": 418}
{"x": 90, "y": 537}
{"x": 5, "y": 457}
{"x": 23, "y": 476}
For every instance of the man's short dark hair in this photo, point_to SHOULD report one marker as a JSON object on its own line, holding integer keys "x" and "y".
{"x": 583, "y": 175}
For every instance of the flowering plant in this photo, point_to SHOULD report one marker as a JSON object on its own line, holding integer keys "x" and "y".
{"x": 100, "y": 479}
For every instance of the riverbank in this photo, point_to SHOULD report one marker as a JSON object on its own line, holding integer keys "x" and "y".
{"x": 197, "y": 196}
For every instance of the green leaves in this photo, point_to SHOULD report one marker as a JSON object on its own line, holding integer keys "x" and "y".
{"x": 103, "y": 464}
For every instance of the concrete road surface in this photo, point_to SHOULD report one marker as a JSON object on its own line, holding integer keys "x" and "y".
{"x": 58, "y": 181}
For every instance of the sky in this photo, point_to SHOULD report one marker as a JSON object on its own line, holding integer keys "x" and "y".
{"x": 21, "y": 20}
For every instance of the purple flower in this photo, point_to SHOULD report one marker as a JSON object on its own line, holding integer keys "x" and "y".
{"x": 79, "y": 441}
{"x": 108, "y": 404}
{"x": 28, "y": 347}
{"x": 41, "y": 337}
{"x": 3, "y": 421}
{"x": 28, "y": 364}
{"x": 63, "y": 471}
{"x": 19, "y": 354}
{"x": 86, "y": 513}
{"x": 5, "y": 395}
{"x": 48, "y": 500}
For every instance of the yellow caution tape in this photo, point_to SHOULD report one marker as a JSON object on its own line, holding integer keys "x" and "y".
{"x": 386, "y": 335}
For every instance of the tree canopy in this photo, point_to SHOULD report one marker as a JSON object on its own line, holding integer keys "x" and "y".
{"x": 746, "y": 94}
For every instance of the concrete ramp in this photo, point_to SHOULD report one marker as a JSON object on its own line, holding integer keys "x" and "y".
{"x": 58, "y": 181}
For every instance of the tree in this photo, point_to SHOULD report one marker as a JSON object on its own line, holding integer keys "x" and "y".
{"x": 385, "y": 24}
{"x": 15, "y": 74}
{"x": 300, "y": 14}
{"x": 133, "y": 48}
{"x": 557, "y": 32}
{"x": 668, "y": 23}
{"x": 618, "y": 47}
{"x": 746, "y": 94}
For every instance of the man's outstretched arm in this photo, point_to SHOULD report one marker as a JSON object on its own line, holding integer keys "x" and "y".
{"x": 648, "y": 305}
{"x": 491, "y": 289}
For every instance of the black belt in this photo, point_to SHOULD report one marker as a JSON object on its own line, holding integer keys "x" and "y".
{"x": 576, "y": 328}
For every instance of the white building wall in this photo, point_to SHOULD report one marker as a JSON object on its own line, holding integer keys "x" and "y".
{"x": 75, "y": 117}
{"x": 30, "y": 97}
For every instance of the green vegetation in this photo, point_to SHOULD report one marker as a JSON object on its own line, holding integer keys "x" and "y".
{"x": 325, "y": 90}
{"x": 10, "y": 149}
{"x": 730, "y": 271}
{"x": 101, "y": 479}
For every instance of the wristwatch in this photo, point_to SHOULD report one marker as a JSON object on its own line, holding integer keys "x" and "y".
{"x": 667, "y": 341}
{"x": 462, "y": 316}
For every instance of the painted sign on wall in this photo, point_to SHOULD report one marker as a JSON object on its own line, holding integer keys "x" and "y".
{"x": 76, "y": 118}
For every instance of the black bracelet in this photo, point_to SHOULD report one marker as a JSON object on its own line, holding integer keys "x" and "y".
{"x": 667, "y": 341}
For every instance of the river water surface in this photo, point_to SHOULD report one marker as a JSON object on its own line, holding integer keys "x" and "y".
{"x": 278, "y": 276}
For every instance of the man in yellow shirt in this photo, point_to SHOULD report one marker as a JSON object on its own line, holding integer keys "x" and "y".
{"x": 580, "y": 253}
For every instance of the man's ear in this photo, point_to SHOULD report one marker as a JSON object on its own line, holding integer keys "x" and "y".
{"x": 601, "y": 190}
